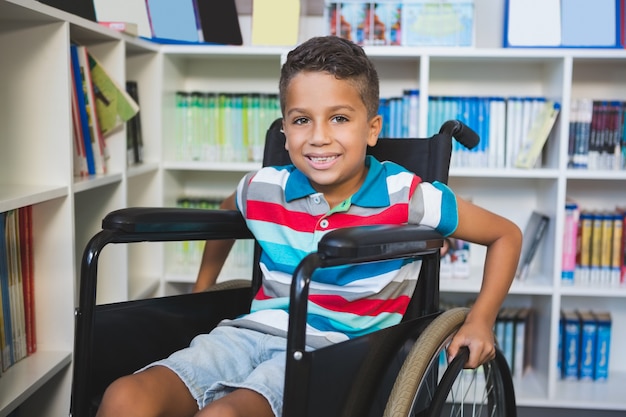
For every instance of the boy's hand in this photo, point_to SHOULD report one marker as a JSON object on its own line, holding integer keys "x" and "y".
{"x": 479, "y": 338}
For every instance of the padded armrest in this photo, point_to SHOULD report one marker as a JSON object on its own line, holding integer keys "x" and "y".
{"x": 211, "y": 224}
{"x": 377, "y": 242}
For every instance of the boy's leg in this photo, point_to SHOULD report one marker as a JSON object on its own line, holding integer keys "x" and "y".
{"x": 154, "y": 391}
{"x": 239, "y": 403}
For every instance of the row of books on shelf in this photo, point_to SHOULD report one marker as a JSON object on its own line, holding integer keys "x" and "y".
{"x": 597, "y": 134}
{"x": 594, "y": 246}
{"x": 225, "y": 127}
{"x": 402, "y": 22}
{"x": 189, "y": 254}
{"x": 514, "y": 335}
{"x": 17, "y": 319}
{"x": 584, "y": 345}
{"x": 100, "y": 106}
{"x": 512, "y": 130}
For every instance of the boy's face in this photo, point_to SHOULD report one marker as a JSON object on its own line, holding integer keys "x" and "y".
{"x": 327, "y": 129}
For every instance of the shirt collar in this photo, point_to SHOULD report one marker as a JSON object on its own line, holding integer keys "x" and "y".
{"x": 373, "y": 192}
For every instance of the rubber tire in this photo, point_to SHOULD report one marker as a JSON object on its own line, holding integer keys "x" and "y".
{"x": 412, "y": 382}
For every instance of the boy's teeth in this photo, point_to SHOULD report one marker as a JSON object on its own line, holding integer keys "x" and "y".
{"x": 322, "y": 158}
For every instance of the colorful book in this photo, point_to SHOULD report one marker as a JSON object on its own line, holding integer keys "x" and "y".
{"x": 85, "y": 131}
{"x": 6, "y": 345}
{"x": 534, "y": 141}
{"x": 98, "y": 144}
{"x": 570, "y": 242}
{"x": 533, "y": 234}
{"x": 113, "y": 105}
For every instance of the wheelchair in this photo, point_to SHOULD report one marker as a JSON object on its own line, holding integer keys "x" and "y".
{"x": 399, "y": 371}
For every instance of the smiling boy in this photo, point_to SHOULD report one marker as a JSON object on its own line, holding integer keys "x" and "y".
{"x": 329, "y": 100}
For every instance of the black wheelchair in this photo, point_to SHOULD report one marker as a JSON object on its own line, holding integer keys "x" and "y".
{"x": 399, "y": 371}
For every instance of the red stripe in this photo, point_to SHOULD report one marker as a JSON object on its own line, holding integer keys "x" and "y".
{"x": 363, "y": 307}
{"x": 303, "y": 222}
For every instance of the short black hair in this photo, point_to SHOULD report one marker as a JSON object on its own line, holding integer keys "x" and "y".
{"x": 336, "y": 56}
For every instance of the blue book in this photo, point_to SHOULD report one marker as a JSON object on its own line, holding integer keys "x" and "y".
{"x": 590, "y": 23}
{"x": 174, "y": 19}
{"x": 571, "y": 345}
{"x": 588, "y": 333}
{"x": 603, "y": 343}
{"x": 8, "y": 357}
{"x": 82, "y": 108}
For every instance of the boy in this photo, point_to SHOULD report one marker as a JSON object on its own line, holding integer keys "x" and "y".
{"x": 329, "y": 101}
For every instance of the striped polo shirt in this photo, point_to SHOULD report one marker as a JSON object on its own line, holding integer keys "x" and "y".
{"x": 288, "y": 218}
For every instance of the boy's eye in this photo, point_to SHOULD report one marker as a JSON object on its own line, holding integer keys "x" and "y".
{"x": 300, "y": 121}
{"x": 340, "y": 119}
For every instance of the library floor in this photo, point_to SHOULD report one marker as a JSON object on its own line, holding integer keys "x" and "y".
{"x": 561, "y": 412}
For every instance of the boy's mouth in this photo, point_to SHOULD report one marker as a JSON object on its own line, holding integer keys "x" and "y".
{"x": 322, "y": 159}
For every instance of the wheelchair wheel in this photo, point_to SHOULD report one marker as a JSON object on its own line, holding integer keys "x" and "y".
{"x": 428, "y": 386}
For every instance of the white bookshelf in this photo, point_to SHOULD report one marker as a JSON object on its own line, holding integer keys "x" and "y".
{"x": 35, "y": 169}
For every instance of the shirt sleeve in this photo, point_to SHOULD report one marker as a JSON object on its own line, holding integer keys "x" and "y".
{"x": 434, "y": 205}
{"x": 242, "y": 193}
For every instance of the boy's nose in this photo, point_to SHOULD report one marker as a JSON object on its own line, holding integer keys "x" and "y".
{"x": 320, "y": 135}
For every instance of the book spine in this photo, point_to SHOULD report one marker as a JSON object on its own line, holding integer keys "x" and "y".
{"x": 596, "y": 248}
{"x": 616, "y": 248}
{"x": 583, "y": 266}
{"x": 570, "y": 232}
{"x": 603, "y": 344}
{"x": 605, "y": 254}
{"x": 571, "y": 345}
{"x": 77, "y": 76}
{"x": 588, "y": 334}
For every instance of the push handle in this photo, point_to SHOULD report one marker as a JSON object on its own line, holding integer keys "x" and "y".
{"x": 461, "y": 132}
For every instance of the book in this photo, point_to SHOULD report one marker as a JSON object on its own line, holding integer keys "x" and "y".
{"x": 533, "y": 234}
{"x": 531, "y": 23}
{"x": 583, "y": 256}
{"x": 80, "y": 158}
{"x": 617, "y": 249}
{"x": 522, "y": 352}
{"x": 28, "y": 287}
{"x": 534, "y": 141}
{"x": 98, "y": 145}
{"x": 114, "y": 106}
{"x": 588, "y": 337}
{"x": 571, "y": 345}
{"x": 16, "y": 296}
{"x": 570, "y": 242}
{"x": 6, "y": 345}
{"x": 129, "y": 28}
{"x": 81, "y": 113}
{"x": 174, "y": 19}
{"x": 603, "y": 344}
{"x": 596, "y": 247}
{"x": 134, "y": 135}
{"x": 219, "y": 22}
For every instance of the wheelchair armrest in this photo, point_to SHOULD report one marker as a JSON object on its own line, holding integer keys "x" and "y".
{"x": 354, "y": 245}
{"x": 378, "y": 242}
{"x": 158, "y": 223}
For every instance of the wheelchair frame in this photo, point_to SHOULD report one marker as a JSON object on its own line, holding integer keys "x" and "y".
{"x": 302, "y": 380}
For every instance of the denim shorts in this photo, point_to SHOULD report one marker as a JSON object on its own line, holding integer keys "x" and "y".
{"x": 229, "y": 358}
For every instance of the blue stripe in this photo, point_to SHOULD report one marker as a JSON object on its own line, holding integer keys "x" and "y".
{"x": 449, "y": 214}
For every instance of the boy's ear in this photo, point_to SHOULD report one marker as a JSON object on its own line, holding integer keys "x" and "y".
{"x": 376, "y": 125}
{"x": 282, "y": 129}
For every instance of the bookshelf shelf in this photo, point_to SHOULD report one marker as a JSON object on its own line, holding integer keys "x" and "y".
{"x": 28, "y": 375}
{"x": 13, "y": 196}
{"x": 34, "y": 44}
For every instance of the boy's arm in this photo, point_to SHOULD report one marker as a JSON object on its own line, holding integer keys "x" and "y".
{"x": 503, "y": 240}
{"x": 214, "y": 255}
